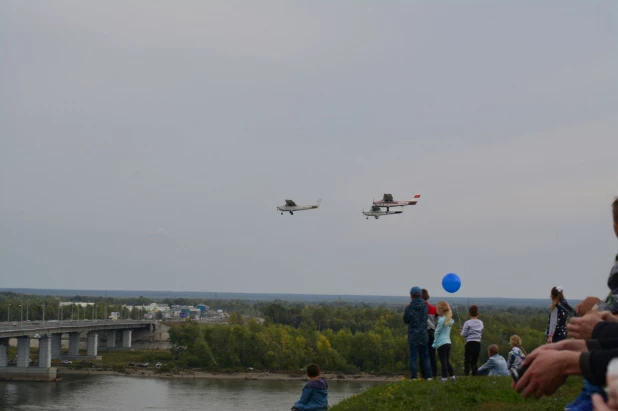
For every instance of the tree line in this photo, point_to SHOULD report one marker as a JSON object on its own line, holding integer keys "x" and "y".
{"x": 339, "y": 336}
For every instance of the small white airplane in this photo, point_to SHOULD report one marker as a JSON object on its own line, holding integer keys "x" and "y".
{"x": 290, "y": 206}
{"x": 387, "y": 201}
{"x": 377, "y": 212}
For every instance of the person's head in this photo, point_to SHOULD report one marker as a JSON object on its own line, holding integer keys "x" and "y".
{"x": 515, "y": 341}
{"x": 415, "y": 292}
{"x": 473, "y": 311}
{"x": 313, "y": 371}
{"x": 492, "y": 350}
{"x": 615, "y": 214}
{"x": 556, "y": 295}
{"x": 444, "y": 310}
{"x": 425, "y": 294}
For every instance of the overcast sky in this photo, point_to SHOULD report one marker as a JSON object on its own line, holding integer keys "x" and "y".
{"x": 146, "y": 144}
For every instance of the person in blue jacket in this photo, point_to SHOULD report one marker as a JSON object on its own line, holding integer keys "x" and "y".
{"x": 496, "y": 364}
{"x": 415, "y": 315}
{"x": 315, "y": 393}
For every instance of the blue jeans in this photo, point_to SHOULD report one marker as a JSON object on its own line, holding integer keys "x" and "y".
{"x": 591, "y": 389}
{"x": 422, "y": 352}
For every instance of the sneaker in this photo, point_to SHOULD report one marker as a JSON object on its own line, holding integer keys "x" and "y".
{"x": 584, "y": 405}
{"x": 429, "y": 379}
{"x": 453, "y": 378}
{"x": 583, "y": 395}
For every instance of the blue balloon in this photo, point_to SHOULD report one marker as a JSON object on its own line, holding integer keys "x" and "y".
{"x": 451, "y": 282}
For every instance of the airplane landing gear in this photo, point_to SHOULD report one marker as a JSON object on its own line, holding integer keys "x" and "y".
{"x": 281, "y": 213}
{"x": 291, "y": 213}
{"x": 377, "y": 217}
{"x": 367, "y": 218}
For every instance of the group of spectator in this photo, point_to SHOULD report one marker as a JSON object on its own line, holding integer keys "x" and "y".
{"x": 429, "y": 330}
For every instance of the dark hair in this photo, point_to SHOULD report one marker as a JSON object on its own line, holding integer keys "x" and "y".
{"x": 425, "y": 294}
{"x": 313, "y": 370}
{"x": 493, "y": 350}
{"x": 558, "y": 298}
{"x": 473, "y": 311}
{"x": 615, "y": 209}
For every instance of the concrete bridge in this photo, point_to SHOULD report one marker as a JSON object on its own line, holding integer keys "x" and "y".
{"x": 49, "y": 334}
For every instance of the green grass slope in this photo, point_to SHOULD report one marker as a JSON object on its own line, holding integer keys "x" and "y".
{"x": 479, "y": 394}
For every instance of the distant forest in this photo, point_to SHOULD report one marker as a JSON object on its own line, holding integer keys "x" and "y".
{"x": 339, "y": 335}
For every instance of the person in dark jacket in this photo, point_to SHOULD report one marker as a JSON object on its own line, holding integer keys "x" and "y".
{"x": 558, "y": 314}
{"x": 415, "y": 315}
{"x": 314, "y": 396}
{"x": 432, "y": 319}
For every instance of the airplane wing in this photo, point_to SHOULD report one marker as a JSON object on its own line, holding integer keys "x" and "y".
{"x": 387, "y": 198}
{"x": 290, "y": 203}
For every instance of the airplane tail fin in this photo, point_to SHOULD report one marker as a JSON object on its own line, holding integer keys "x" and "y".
{"x": 415, "y": 199}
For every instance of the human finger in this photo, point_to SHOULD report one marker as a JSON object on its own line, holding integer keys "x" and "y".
{"x": 530, "y": 389}
{"x": 533, "y": 355}
{"x": 523, "y": 382}
{"x": 599, "y": 403}
{"x": 608, "y": 316}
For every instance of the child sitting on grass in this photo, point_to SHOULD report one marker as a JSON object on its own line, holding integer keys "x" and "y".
{"x": 517, "y": 353}
{"x": 495, "y": 365}
{"x": 315, "y": 393}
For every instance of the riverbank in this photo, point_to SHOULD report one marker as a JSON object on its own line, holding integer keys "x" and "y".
{"x": 204, "y": 375}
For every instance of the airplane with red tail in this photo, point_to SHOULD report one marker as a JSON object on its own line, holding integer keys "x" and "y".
{"x": 387, "y": 201}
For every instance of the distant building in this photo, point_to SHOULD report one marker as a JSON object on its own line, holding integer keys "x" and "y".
{"x": 81, "y": 304}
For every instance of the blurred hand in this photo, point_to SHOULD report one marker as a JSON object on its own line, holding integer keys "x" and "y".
{"x": 582, "y": 327}
{"x": 609, "y": 317}
{"x": 548, "y": 370}
{"x": 601, "y": 405}
{"x": 565, "y": 345}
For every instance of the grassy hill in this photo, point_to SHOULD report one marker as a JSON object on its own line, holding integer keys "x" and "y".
{"x": 479, "y": 394}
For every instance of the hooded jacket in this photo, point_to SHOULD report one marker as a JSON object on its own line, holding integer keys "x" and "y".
{"x": 314, "y": 396}
{"x": 416, "y": 316}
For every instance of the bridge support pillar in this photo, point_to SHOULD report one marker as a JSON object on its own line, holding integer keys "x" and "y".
{"x": 56, "y": 344}
{"x": 92, "y": 349}
{"x": 73, "y": 344}
{"x": 23, "y": 351}
{"x": 126, "y": 338}
{"x": 110, "y": 336}
{"x": 45, "y": 352}
{"x": 4, "y": 352}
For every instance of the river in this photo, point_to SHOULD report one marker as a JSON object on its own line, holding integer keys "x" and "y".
{"x": 107, "y": 392}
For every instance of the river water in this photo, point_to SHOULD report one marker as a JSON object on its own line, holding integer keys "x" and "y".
{"x": 107, "y": 392}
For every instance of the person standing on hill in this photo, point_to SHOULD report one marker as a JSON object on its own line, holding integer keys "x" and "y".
{"x": 558, "y": 313}
{"x": 431, "y": 331}
{"x": 442, "y": 340}
{"x": 472, "y": 332}
{"x": 415, "y": 315}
